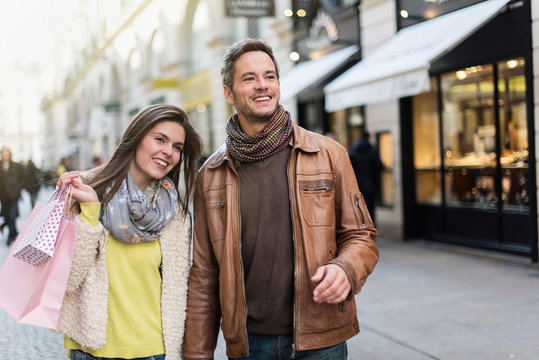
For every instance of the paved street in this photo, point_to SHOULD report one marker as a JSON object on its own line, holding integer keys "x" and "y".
{"x": 423, "y": 301}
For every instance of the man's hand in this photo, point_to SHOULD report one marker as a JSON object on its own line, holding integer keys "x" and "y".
{"x": 333, "y": 286}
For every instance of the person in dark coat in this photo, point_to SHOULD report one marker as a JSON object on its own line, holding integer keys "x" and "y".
{"x": 367, "y": 167}
{"x": 11, "y": 184}
{"x": 33, "y": 179}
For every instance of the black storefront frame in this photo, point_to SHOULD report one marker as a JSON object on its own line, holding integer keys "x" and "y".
{"x": 512, "y": 30}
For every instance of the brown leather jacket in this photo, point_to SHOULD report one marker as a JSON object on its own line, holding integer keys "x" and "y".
{"x": 331, "y": 224}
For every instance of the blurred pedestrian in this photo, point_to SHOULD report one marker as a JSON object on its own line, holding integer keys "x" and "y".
{"x": 282, "y": 239}
{"x": 96, "y": 161}
{"x": 127, "y": 290}
{"x": 64, "y": 164}
{"x": 11, "y": 183}
{"x": 367, "y": 166}
{"x": 33, "y": 179}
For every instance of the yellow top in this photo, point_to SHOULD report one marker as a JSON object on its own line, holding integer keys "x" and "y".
{"x": 134, "y": 304}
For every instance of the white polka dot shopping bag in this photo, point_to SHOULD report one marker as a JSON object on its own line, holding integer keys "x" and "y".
{"x": 39, "y": 239}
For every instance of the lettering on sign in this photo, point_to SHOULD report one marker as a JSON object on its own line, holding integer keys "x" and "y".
{"x": 249, "y": 8}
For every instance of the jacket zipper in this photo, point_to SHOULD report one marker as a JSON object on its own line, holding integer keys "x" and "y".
{"x": 241, "y": 258}
{"x": 291, "y": 192}
{"x": 320, "y": 188}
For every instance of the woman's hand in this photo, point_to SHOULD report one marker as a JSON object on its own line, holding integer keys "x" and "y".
{"x": 81, "y": 192}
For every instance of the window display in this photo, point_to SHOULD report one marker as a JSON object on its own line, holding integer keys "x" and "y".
{"x": 385, "y": 148}
{"x": 484, "y": 152}
{"x": 469, "y": 136}
{"x": 427, "y": 160}
{"x": 513, "y": 134}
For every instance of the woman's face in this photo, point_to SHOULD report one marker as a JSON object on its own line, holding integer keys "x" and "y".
{"x": 157, "y": 153}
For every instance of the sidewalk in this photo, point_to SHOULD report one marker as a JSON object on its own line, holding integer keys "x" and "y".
{"x": 423, "y": 301}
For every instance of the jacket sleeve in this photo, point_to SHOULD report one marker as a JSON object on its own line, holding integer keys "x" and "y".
{"x": 203, "y": 308}
{"x": 90, "y": 240}
{"x": 357, "y": 252}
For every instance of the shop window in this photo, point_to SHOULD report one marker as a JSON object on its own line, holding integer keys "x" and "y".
{"x": 385, "y": 148}
{"x": 355, "y": 120}
{"x": 427, "y": 160}
{"x": 469, "y": 137}
{"x": 346, "y": 126}
{"x": 513, "y": 134}
{"x": 477, "y": 142}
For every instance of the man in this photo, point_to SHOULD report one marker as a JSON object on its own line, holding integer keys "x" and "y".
{"x": 11, "y": 184}
{"x": 282, "y": 237}
{"x": 367, "y": 166}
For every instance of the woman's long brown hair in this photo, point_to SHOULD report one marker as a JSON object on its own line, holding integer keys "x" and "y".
{"x": 112, "y": 172}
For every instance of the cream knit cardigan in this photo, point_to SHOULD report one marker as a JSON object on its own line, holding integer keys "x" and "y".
{"x": 84, "y": 312}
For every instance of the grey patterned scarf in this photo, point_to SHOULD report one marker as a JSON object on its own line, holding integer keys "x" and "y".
{"x": 134, "y": 215}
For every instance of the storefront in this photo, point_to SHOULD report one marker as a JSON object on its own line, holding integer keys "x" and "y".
{"x": 467, "y": 134}
{"x": 326, "y": 43}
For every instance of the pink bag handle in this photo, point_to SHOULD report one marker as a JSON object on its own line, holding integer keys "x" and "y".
{"x": 63, "y": 193}
{"x": 58, "y": 194}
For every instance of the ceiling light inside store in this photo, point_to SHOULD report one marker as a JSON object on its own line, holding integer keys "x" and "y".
{"x": 288, "y": 13}
{"x": 511, "y": 64}
{"x": 461, "y": 74}
{"x": 301, "y": 13}
{"x": 404, "y": 14}
{"x": 294, "y": 56}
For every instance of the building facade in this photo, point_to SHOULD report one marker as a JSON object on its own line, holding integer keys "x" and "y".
{"x": 448, "y": 88}
{"x": 113, "y": 58}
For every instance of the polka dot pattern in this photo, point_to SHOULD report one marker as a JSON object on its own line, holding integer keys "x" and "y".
{"x": 39, "y": 239}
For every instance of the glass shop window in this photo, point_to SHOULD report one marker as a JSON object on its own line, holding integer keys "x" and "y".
{"x": 513, "y": 135}
{"x": 469, "y": 136}
{"x": 385, "y": 149}
{"x": 427, "y": 161}
{"x": 475, "y": 144}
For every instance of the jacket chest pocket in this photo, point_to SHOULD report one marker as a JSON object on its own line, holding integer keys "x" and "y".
{"x": 318, "y": 202}
{"x": 216, "y": 212}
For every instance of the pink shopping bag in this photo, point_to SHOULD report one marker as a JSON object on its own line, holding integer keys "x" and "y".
{"x": 38, "y": 239}
{"x": 32, "y": 294}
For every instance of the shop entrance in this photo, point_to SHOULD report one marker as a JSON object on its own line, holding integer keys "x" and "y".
{"x": 472, "y": 154}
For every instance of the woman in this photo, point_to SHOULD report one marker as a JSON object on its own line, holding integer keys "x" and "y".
{"x": 126, "y": 294}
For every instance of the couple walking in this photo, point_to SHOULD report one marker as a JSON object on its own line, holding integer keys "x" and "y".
{"x": 282, "y": 239}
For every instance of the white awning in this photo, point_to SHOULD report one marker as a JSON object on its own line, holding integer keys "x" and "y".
{"x": 400, "y": 67}
{"x": 305, "y": 74}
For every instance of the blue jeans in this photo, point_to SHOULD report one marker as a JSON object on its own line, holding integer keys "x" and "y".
{"x": 81, "y": 355}
{"x": 264, "y": 347}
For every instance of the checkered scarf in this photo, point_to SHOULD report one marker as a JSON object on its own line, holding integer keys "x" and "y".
{"x": 273, "y": 138}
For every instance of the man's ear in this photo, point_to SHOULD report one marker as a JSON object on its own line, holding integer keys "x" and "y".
{"x": 228, "y": 95}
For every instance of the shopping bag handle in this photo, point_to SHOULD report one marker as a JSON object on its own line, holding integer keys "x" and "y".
{"x": 58, "y": 193}
{"x": 63, "y": 194}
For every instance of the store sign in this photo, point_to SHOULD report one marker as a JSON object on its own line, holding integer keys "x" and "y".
{"x": 323, "y": 31}
{"x": 249, "y": 8}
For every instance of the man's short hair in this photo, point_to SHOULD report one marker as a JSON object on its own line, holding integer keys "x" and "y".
{"x": 234, "y": 51}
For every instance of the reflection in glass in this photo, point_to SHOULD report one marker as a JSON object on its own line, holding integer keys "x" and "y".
{"x": 385, "y": 148}
{"x": 471, "y": 134}
{"x": 513, "y": 134}
{"x": 469, "y": 137}
{"x": 427, "y": 147}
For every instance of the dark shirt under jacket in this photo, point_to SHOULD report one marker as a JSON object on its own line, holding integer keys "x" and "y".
{"x": 267, "y": 245}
